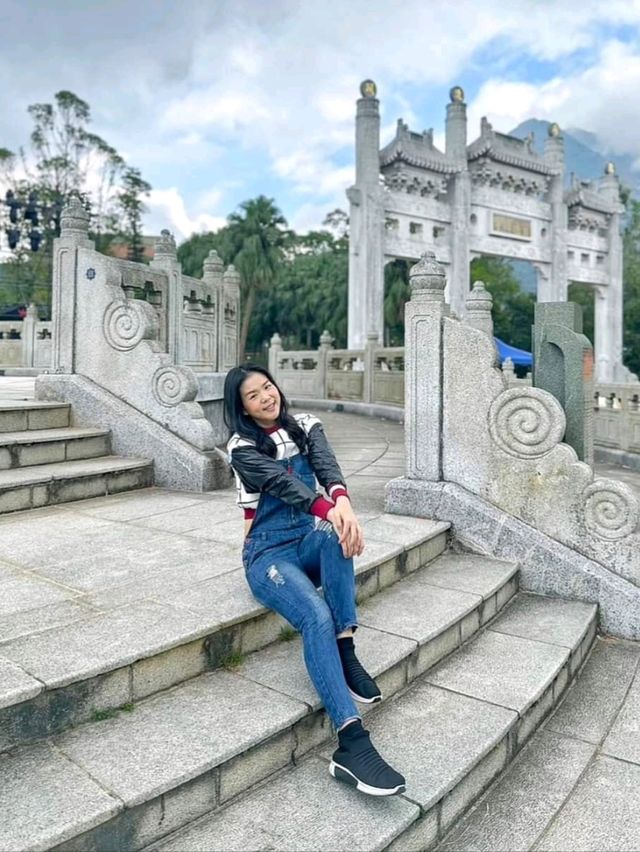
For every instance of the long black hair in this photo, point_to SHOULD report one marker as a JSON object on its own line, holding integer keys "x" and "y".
{"x": 237, "y": 421}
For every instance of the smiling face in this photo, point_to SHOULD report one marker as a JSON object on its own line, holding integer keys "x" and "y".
{"x": 260, "y": 399}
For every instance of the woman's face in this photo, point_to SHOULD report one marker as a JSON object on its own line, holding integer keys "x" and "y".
{"x": 260, "y": 399}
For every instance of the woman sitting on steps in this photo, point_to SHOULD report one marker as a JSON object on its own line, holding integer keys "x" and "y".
{"x": 297, "y": 541}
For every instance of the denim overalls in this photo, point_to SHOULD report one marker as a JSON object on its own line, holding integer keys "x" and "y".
{"x": 286, "y": 558}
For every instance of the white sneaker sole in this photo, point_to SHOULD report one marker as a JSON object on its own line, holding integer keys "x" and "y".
{"x": 341, "y": 773}
{"x": 362, "y": 700}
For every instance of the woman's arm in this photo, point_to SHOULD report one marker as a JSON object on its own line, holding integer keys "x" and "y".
{"x": 260, "y": 473}
{"x": 322, "y": 459}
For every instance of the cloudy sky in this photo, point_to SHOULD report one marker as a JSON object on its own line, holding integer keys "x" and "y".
{"x": 217, "y": 101}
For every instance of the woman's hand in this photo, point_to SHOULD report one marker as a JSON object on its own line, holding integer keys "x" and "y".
{"x": 347, "y": 527}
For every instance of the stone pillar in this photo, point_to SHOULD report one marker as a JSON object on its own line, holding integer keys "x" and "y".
{"x": 366, "y": 224}
{"x": 602, "y": 333}
{"x": 460, "y": 189}
{"x": 479, "y": 305}
{"x": 554, "y": 157}
{"x": 212, "y": 276}
{"x": 423, "y": 369}
{"x": 563, "y": 366}
{"x": 166, "y": 260}
{"x": 29, "y": 326}
{"x": 275, "y": 348}
{"x": 74, "y": 229}
{"x": 610, "y": 188}
{"x": 229, "y": 337}
{"x": 326, "y": 344}
{"x": 369, "y": 366}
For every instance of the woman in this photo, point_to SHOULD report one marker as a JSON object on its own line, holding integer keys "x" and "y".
{"x": 297, "y": 540}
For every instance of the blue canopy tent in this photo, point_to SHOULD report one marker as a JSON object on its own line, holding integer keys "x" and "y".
{"x": 519, "y": 357}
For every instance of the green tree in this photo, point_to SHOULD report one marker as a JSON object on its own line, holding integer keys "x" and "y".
{"x": 512, "y": 308}
{"x": 631, "y": 278}
{"x": 64, "y": 158}
{"x": 257, "y": 237}
{"x": 582, "y": 294}
{"x": 396, "y": 294}
{"x": 132, "y": 205}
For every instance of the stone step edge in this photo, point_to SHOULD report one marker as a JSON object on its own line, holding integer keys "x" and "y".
{"x": 34, "y": 415}
{"x": 33, "y": 449}
{"x": 40, "y": 474}
{"x": 434, "y": 821}
{"x": 181, "y": 660}
{"x": 127, "y": 475}
{"x": 312, "y": 729}
{"x": 62, "y": 433}
{"x": 31, "y": 405}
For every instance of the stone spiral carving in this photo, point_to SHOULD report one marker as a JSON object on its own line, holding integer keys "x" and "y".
{"x": 611, "y": 509}
{"x": 173, "y": 385}
{"x": 526, "y": 422}
{"x": 125, "y": 325}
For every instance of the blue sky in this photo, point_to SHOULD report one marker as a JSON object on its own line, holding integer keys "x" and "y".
{"x": 217, "y": 102}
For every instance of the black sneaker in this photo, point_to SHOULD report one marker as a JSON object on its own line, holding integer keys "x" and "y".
{"x": 357, "y": 763}
{"x": 361, "y": 685}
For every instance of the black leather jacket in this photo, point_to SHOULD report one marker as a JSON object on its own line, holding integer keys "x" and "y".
{"x": 261, "y": 473}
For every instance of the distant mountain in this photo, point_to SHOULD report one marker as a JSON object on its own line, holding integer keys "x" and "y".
{"x": 585, "y": 155}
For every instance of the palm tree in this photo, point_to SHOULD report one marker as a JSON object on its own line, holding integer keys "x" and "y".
{"x": 257, "y": 235}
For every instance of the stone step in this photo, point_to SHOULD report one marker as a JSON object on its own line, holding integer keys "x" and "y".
{"x": 451, "y": 733}
{"x": 160, "y": 630}
{"x": 165, "y": 760}
{"x": 49, "y": 446}
{"x": 49, "y": 484}
{"x": 20, "y": 415}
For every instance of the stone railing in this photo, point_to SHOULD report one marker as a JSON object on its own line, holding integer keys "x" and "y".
{"x": 493, "y": 460}
{"x": 617, "y": 422}
{"x": 343, "y": 374}
{"x": 25, "y": 345}
{"x": 127, "y": 338}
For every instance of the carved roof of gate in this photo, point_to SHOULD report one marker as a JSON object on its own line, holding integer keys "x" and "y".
{"x": 416, "y": 149}
{"x": 581, "y": 194}
{"x": 508, "y": 149}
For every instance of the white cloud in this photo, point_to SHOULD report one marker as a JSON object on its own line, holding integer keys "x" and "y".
{"x": 602, "y": 98}
{"x": 167, "y": 209}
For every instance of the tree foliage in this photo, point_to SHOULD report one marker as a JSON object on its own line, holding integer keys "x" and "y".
{"x": 512, "y": 307}
{"x": 631, "y": 277}
{"x": 63, "y": 158}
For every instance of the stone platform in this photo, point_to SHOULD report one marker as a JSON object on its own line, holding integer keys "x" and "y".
{"x": 173, "y": 558}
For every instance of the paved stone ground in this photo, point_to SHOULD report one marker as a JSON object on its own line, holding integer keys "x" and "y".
{"x": 579, "y": 774}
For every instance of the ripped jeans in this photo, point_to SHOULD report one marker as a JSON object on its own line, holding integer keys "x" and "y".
{"x": 284, "y": 567}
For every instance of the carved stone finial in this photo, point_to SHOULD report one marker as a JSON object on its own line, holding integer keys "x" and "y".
{"x": 456, "y": 95}
{"x": 165, "y": 245}
{"x": 610, "y": 168}
{"x": 326, "y": 339}
{"x": 479, "y": 303}
{"x": 428, "y": 276}
{"x": 32, "y": 311}
{"x": 276, "y": 340}
{"x": 508, "y": 368}
{"x": 232, "y": 278}
{"x": 368, "y": 89}
{"x": 554, "y": 129}
{"x": 213, "y": 264}
{"x": 74, "y": 218}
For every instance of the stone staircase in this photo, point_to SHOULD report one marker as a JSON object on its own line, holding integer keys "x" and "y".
{"x": 213, "y": 737}
{"x": 44, "y": 460}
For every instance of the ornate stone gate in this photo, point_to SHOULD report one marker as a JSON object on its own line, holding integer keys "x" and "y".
{"x": 495, "y": 196}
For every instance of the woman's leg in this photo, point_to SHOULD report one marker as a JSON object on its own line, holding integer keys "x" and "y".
{"x": 321, "y": 552}
{"x": 322, "y": 559}
{"x": 279, "y": 583}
